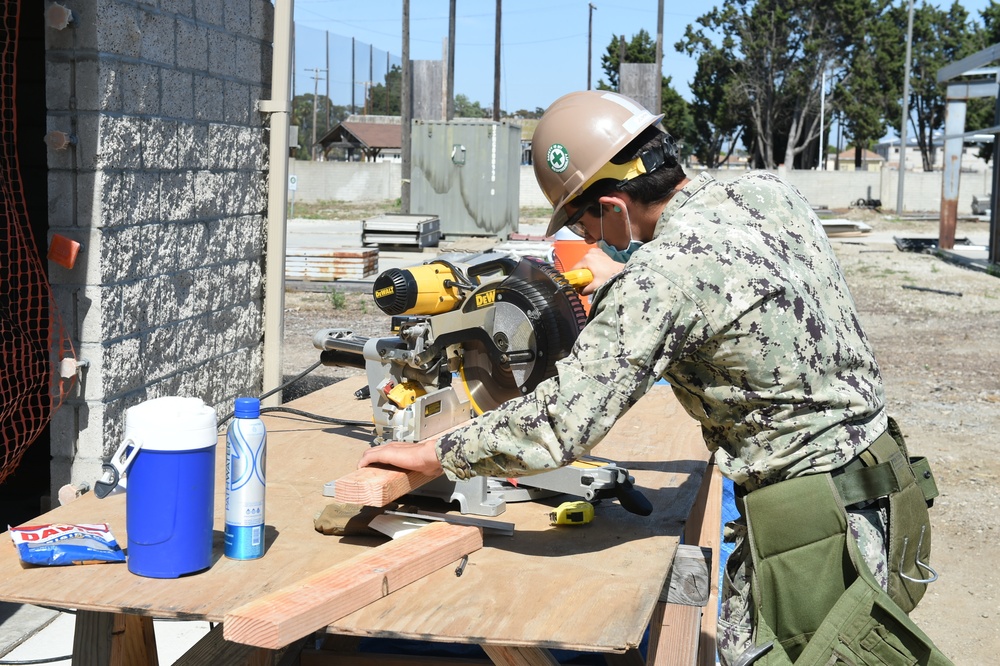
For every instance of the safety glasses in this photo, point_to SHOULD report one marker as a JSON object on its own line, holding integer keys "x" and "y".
{"x": 574, "y": 223}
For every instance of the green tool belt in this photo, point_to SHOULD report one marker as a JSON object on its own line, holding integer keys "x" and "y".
{"x": 816, "y": 601}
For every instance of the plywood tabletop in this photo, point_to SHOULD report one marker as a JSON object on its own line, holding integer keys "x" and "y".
{"x": 587, "y": 587}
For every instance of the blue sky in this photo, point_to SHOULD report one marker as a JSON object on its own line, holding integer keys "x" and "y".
{"x": 544, "y": 43}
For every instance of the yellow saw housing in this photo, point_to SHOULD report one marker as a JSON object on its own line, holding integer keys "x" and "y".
{"x": 428, "y": 289}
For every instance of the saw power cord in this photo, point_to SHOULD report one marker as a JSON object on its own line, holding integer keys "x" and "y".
{"x": 298, "y": 412}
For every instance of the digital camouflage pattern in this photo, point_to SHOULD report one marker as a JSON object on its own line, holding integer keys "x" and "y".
{"x": 740, "y": 304}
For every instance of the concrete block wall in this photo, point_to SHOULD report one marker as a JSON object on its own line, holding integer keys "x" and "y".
{"x": 166, "y": 190}
{"x": 346, "y": 181}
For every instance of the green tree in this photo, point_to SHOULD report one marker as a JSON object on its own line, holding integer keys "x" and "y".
{"x": 939, "y": 38}
{"x": 327, "y": 116}
{"x": 865, "y": 87}
{"x": 761, "y": 68}
{"x": 716, "y": 118}
{"x": 385, "y": 99}
{"x": 640, "y": 49}
{"x": 465, "y": 108}
{"x": 981, "y": 112}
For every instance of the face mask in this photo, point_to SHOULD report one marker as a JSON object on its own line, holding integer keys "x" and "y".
{"x": 621, "y": 256}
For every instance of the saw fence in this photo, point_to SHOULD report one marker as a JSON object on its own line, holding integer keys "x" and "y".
{"x": 593, "y": 588}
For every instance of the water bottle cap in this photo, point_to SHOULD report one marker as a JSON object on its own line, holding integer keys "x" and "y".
{"x": 247, "y": 408}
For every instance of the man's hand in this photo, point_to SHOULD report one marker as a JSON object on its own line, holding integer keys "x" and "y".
{"x": 413, "y": 456}
{"x": 601, "y": 265}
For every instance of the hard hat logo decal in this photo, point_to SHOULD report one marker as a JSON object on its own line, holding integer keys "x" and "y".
{"x": 557, "y": 157}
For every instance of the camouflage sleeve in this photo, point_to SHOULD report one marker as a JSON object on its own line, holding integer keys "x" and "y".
{"x": 641, "y": 322}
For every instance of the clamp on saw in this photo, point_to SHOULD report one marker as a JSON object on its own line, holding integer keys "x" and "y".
{"x": 468, "y": 336}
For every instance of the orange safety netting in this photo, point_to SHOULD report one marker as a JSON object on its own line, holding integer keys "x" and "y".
{"x": 32, "y": 337}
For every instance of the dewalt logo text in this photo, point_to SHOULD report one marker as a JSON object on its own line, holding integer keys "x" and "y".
{"x": 485, "y": 298}
{"x": 382, "y": 293}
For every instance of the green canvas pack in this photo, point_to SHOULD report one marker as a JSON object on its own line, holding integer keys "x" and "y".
{"x": 816, "y": 601}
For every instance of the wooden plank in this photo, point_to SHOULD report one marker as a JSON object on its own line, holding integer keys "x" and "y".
{"x": 133, "y": 641}
{"x": 677, "y": 640}
{"x": 277, "y": 619}
{"x": 92, "y": 638}
{"x": 214, "y": 649}
{"x": 377, "y": 485}
{"x": 704, "y": 528}
{"x": 505, "y": 655}
{"x": 688, "y": 583}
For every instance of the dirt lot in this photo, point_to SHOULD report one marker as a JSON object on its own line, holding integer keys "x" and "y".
{"x": 940, "y": 359}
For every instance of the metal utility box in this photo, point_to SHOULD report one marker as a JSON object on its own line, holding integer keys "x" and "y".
{"x": 467, "y": 173}
{"x": 395, "y": 229}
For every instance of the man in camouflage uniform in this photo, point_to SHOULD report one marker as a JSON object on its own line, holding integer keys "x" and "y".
{"x": 734, "y": 297}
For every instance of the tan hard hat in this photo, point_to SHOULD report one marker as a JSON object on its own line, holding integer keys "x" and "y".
{"x": 577, "y": 136}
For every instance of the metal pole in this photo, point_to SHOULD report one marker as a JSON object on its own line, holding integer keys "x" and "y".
{"x": 820, "y": 162}
{"x": 405, "y": 113}
{"x": 353, "y": 85}
{"x": 312, "y": 146}
{"x": 449, "y": 111}
{"x": 329, "y": 111}
{"x": 659, "y": 59}
{"x": 906, "y": 112}
{"x": 590, "y": 42}
{"x": 496, "y": 69}
{"x": 279, "y": 107}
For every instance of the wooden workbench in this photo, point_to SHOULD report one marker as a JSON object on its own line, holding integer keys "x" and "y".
{"x": 589, "y": 588}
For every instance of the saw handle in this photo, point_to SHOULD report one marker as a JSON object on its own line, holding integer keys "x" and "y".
{"x": 631, "y": 499}
{"x": 579, "y": 278}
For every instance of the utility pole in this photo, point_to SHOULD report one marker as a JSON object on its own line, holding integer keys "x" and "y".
{"x": 906, "y": 113}
{"x": 404, "y": 113}
{"x": 329, "y": 111}
{"x": 449, "y": 92}
{"x": 820, "y": 159}
{"x": 353, "y": 83}
{"x": 496, "y": 69}
{"x": 316, "y": 78}
{"x": 590, "y": 42}
{"x": 659, "y": 59}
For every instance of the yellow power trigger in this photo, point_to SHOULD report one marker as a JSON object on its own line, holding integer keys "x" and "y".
{"x": 572, "y": 513}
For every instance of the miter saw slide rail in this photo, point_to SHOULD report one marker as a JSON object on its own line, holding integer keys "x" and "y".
{"x": 468, "y": 336}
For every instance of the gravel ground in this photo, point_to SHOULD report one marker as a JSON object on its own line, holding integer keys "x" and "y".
{"x": 938, "y": 353}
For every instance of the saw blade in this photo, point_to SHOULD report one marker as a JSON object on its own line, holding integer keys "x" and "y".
{"x": 536, "y": 314}
{"x": 490, "y": 384}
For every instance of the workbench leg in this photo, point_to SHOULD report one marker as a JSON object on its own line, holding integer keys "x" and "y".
{"x": 704, "y": 527}
{"x": 685, "y": 635}
{"x": 214, "y": 649}
{"x": 674, "y": 636}
{"x": 113, "y": 639}
{"x": 515, "y": 656}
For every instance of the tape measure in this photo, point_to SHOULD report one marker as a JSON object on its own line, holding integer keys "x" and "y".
{"x": 572, "y": 513}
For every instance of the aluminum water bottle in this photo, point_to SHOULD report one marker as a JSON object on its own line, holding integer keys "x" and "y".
{"x": 246, "y": 450}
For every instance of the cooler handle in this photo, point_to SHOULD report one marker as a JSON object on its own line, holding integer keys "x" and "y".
{"x": 113, "y": 470}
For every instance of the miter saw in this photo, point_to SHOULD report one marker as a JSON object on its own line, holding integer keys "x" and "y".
{"x": 470, "y": 333}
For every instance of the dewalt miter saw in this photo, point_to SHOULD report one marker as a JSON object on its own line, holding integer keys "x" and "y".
{"x": 469, "y": 334}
